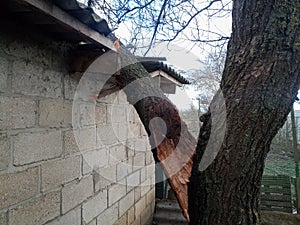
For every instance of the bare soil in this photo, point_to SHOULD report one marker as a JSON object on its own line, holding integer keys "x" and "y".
{"x": 280, "y": 218}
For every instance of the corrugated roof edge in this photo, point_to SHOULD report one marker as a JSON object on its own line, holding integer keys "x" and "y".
{"x": 151, "y": 66}
{"x": 84, "y": 14}
{"x": 87, "y": 16}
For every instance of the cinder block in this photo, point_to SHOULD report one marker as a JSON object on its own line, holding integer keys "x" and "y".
{"x": 17, "y": 187}
{"x": 93, "y": 222}
{"x": 62, "y": 56}
{"x": 126, "y": 202}
{"x": 151, "y": 170}
{"x": 146, "y": 215}
{"x": 4, "y": 151}
{"x": 103, "y": 177}
{"x": 94, "y": 206}
{"x": 71, "y": 218}
{"x": 109, "y": 216}
{"x": 116, "y": 114}
{"x": 55, "y": 113}
{"x": 86, "y": 138}
{"x": 150, "y": 196}
{"x": 76, "y": 192}
{"x": 143, "y": 174}
{"x": 100, "y": 113}
{"x": 134, "y": 130}
{"x": 137, "y": 221}
{"x": 137, "y": 193}
{"x": 141, "y": 144}
{"x": 112, "y": 98}
{"x": 4, "y": 64}
{"x": 132, "y": 115}
{"x": 117, "y": 154}
{"x": 30, "y": 79}
{"x": 139, "y": 160}
{"x": 84, "y": 113}
{"x": 143, "y": 132}
{"x": 34, "y": 147}
{"x": 55, "y": 173}
{"x": 130, "y": 147}
{"x": 70, "y": 85}
{"x": 123, "y": 169}
{"x": 122, "y": 220}
{"x": 94, "y": 160}
{"x": 122, "y": 97}
{"x": 129, "y": 113}
{"x": 130, "y": 215}
{"x": 30, "y": 51}
{"x": 14, "y": 48}
{"x": 122, "y": 132}
{"x": 133, "y": 180}
{"x": 140, "y": 206}
{"x": 115, "y": 193}
{"x": 70, "y": 143}
{"x": 149, "y": 157}
{"x": 145, "y": 187}
{"x": 36, "y": 212}
{"x": 106, "y": 135}
{"x": 17, "y": 112}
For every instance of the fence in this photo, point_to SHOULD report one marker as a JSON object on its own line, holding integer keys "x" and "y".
{"x": 278, "y": 193}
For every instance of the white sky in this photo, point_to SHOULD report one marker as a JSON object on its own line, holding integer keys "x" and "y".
{"x": 184, "y": 57}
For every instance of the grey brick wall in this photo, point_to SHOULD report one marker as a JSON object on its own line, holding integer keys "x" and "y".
{"x": 52, "y": 174}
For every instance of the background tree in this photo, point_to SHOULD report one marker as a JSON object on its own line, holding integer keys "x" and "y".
{"x": 206, "y": 80}
{"x": 151, "y": 21}
{"x": 259, "y": 85}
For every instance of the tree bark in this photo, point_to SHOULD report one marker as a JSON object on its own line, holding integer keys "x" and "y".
{"x": 259, "y": 85}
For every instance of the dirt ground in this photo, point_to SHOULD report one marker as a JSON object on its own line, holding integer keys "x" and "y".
{"x": 280, "y": 218}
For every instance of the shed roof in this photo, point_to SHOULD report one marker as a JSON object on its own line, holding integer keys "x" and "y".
{"x": 63, "y": 20}
{"x": 152, "y": 66}
{"x": 87, "y": 15}
{"x": 84, "y": 14}
{"x": 74, "y": 22}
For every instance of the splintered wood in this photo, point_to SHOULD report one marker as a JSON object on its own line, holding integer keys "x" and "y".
{"x": 174, "y": 150}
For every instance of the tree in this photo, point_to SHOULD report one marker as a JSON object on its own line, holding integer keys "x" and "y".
{"x": 151, "y": 21}
{"x": 259, "y": 85}
{"x": 206, "y": 80}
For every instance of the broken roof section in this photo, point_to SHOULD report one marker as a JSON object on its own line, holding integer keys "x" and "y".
{"x": 84, "y": 14}
{"x": 74, "y": 22}
{"x": 63, "y": 20}
{"x": 153, "y": 65}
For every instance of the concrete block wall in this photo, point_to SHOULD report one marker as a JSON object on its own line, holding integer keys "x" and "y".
{"x": 47, "y": 175}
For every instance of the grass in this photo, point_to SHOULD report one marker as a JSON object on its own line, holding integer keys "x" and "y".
{"x": 280, "y": 168}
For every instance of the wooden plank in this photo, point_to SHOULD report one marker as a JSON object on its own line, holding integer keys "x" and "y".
{"x": 70, "y": 23}
{"x": 284, "y": 198}
{"x": 283, "y": 178}
{"x": 276, "y": 203}
{"x": 280, "y": 209}
{"x": 276, "y": 183}
{"x": 165, "y": 75}
{"x": 168, "y": 88}
{"x": 276, "y": 190}
{"x": 297, "y": 186}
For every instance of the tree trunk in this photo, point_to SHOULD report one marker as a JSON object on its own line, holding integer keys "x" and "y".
{"x": 259, "y": 85}
{"x": 172, "y": 144}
